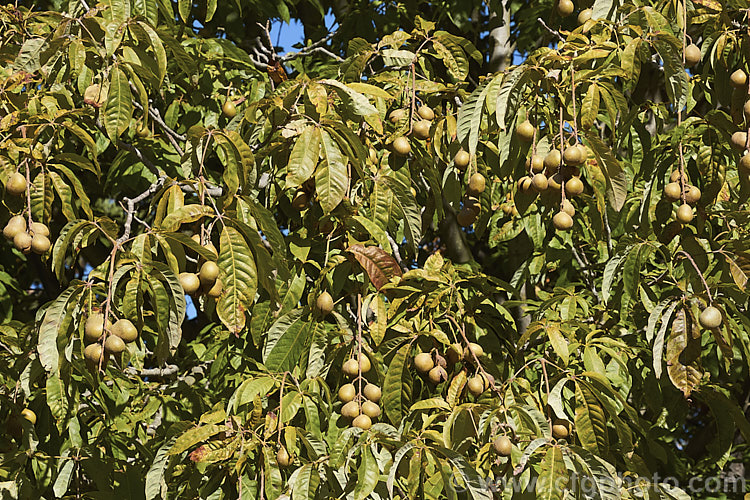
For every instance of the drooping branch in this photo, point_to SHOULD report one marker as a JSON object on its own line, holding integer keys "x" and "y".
{"x": 130, "y": 210}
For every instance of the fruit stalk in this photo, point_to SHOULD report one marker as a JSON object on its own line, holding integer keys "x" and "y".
{"x": 700, "y": 274}
{"x": 359, "y": 348}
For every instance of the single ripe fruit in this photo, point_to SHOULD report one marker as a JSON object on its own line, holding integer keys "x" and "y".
{"x": 229, "y": 109}
{"x": 503, "y": 446}
{"x": 476, "y": 184}
{"x": 92, "y": 353}
{"x": 562, "y": 221}
{"x": 190, "y": 282}
{"x": 114, "y": 344}
{"x": 739, "y": 140}
{"x": 363, "y": 422}
{"x": 370, "y": 409}
{"x": 95, "y": 326}
{"x": 421, "y": 129}
{"x": 324, "y": 303}
{"x": 472, "y": 203}
{"x": 215, "y": 291}
{"x": 22, "y": 241}
{"x": 573, "y": 187}
{"x": 423, "y": 362}
{"x": 553, "y": 160}
{"x": 437, "y": 375}
{"x": 525, "y": 131}
{"x": 397, "y": 115}
{"x": 209, "y": 273}
{"x": 738, "y": 79}
{"x": 568, "y": 208}
{"x": 16, "y": 184}
{"x": 565, "y": 8}
{"x": 584, "y": 16}
{"x": 685, "y": 213}
{"x": 350, "y": 409}
{"x": 299, "y": 202}
{"x": 692, "y": 55}
{"x": 16, "y": 224}
{"x": 401, "y": 146}
{"x": 524, "y": 184}
{"x": 574, "y": 155}
{"x": 426, "y": 112}
{"x": 746, "y": 110}
{"x": 142, "y": 131}
{"x": 560, "y": 429}
{"x": 466, "y": 217}
{"x": 454, "y": 353}
{"x": 476, "y": 385}
{"x": 40, "y": 244}
{"x": 745, "y": 163}
{"x": 350, "y": 368}
{"x": 347, "y": 392}
{"x": 462, "y": 159}
{"x": 710, "y": 317}
{"x": 473, "y": 350}
{"x": 555, "y": 182}
{"x": 124, "y": 329}
{"x": 283, "y": 459}
{"x": 372, "y": 392}
{"x": 39, "y": 228}
{"x": 673, "y": 191}
{"x": 536, "y": 162}
{"x": 539, "y": 182}
{"x": 693, "y": 195}
{"x": 365, "y": 364}
{"x": 29, "y": 415}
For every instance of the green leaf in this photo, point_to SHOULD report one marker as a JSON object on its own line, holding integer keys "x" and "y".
{"x": 49, "y": 329}
{"x": 397, "y": 385}
{"x": 118, "y": 110}
{"x": 193, "y": 436}
{"x": 304, "y": 157}
{"x": 617, "y": 180}
{"x": 239, "y": 277}
{"x": 368, "y": 475}
{"x": 331, "y": 178}
{"x": 306, "y": 483}
{"x": 674, "y": 73}
{"x": 590, "y": 422}
{"x": 188, "y": 213}
{"x": 286, "y": 340}
{"x": 357, "y": 104}
{"x": 407, "y": 204}
{"x": 683, "y": 353}
{"x": 553, "y": 478}
{"x": 63, "y": 477}
{"x": 470, "y": 118}
{"x": 590, "y": 106}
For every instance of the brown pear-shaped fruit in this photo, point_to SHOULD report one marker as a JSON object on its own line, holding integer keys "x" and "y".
{"x": 208, "y": 273}
{"x": 739, "y": 140}
{"x": 584, "y": 16}
{"x": 215, "y": 291}
{"x": 190, "y": 282}
{"x": 114, "y": 344}
{"x": 40, "y": 244}
{"x": 503, "y": 446}
{"x": 525, "y": 131}
{"x": 300, "y": 200}
{"x": 553, "y": 160}
{"x": 673, "y": 191}
{"x": 525, "y": 184}
{"x": 472, "y": 350}
{"x": 536, "y": 163}
{"x": 539, "y": 183}
{"x": 350, "y": 368}
{"x": 347, "y": 393}
{"x": 568, "y": 208}
{"x": 744, "y": 163}
{"x": 685, "y": 213}
{"x": 692, "y": 55}
{"x": 476, "y": 385}
{"x": 95, "y": 326}
{"x": 555, "y": 182}
{"x": 372, "y": 392}
{"x": 462, "y": 160}
{"x": 283, "y": 459}
{"x": 573, "y": 187}
{"x": 746, "y": 109}
{"x": 324, "y": 303}
{"x": 125, "y": 329}
{"x": 693, "y": 195}
{"x": 350, "y": 409}
{"x": 39, "y": 228}
{"x": 229, "y": 109}
{"x": 565, "y": 8}
{"x": 466, "y": 217}
{"x": 437, "y": 375}
{"x": 423, "y": 362}
{"x": 421, "y": 129}
{"x": 92, "y": 353}
{"x": 477, "y": 184}
{"x": 22, "y": 242}
{"x": 738, "y": 79}
{"x": 562, "y": 221}
{"x": 370, "y": 409}
{"x": 15, "y": 225}
{"x": 401, "y": 146}
{"x": 675, "y": 176}
{"x": 363, "y": 422}
{"x": 560, "y": 429}
{"x": 16, "y": 184}
{"x": 710, "y": 317}
{"x": 426, "y": 112}
{"x": 397, "y": 115}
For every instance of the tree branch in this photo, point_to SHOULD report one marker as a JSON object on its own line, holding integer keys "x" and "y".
{"x": 131, "y": 202}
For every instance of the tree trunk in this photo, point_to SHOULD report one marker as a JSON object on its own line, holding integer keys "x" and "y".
{"x": 502, "y": 48}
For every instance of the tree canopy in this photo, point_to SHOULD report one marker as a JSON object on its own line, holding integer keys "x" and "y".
{"x": 444, "y": 249}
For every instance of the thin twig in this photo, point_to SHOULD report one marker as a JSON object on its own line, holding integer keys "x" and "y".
{"x": 131, "y": 202}
{"x": 700, "y": 274}
{"x": 557, "y": 34}
{"x": 396, "y": 253}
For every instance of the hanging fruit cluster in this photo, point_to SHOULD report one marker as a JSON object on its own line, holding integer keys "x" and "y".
{"x": 26, "y": 237}
{"x": 103, "y": 339}
{"x": 206, "y": 281}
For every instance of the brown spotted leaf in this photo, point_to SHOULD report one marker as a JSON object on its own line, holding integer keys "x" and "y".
{"x": 378, "y": 264}
{"x": 683, "y": 352}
